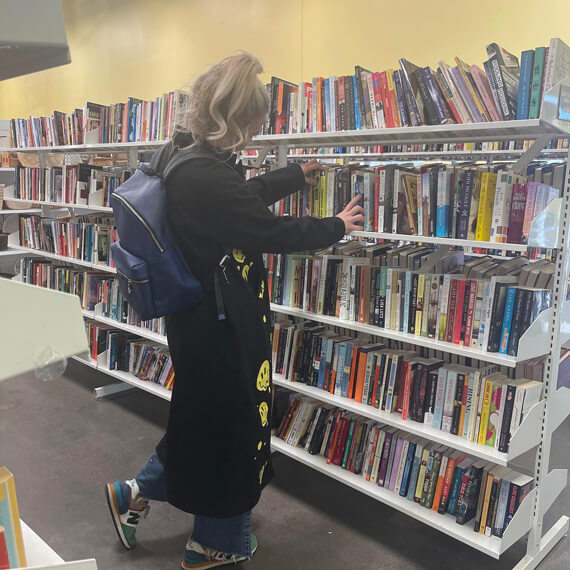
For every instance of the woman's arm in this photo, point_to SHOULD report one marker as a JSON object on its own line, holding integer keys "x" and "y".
{"x": 277, "y": 184}
{"x": 217, "y": 204}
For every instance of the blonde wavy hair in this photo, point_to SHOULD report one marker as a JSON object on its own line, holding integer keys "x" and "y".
{"x": 226, "y": 103}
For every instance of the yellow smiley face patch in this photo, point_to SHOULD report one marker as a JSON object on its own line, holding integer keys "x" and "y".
{"x": 239, "y": 255}
{"x": 263, "y": 413}
{"x": 263, "y": 376}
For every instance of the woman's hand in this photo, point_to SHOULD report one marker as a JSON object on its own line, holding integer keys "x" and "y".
{"x": 352, "y": 215}
{"x": 308, "y": 168}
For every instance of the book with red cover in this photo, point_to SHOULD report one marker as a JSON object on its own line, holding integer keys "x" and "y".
{"x": 410, "y": 371}
{"x": 470, "y": 312}
{"x": 400, "y": 386}
{"x": 288, "y": 418}
{"x": 453, "y": 460}
{"x": 360, "y": 373}
{"x": 342, "y": 436}
{"x": 353, "y": 371}
{"x": 339, "y": 424}
{"x": 388, "y": 108}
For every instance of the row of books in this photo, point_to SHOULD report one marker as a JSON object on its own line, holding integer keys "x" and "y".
{"x": 479, "y": 405}
{"x": 483, "y": 314}
{"x": 414, "y": 95}
{"x": 97, "y": 292}
{"x": 81, "y": 184}
{"x": 432, "y": 475}
{"x": 442, "y": 201}
{"x": 133, "y": 121}
{"x": 117, "y": 350}
{"x": 87, "y": 239}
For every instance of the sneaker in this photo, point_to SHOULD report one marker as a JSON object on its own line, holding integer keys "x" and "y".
{"x": 198, "y": 556}
{"x": 127, "y": 507}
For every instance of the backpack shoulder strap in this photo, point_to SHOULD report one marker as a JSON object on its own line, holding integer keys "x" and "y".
{"x": 160, "y": 159}
{"x": 182, "y": 156}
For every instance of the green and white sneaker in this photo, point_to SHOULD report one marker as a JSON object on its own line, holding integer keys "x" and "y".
{"x": 127, "y": 508}
{"x": 198, "y": 556}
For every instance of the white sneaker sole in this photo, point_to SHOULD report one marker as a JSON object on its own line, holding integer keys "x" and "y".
{"x": 213, "y": 563}
{"x": 114, "y": 508}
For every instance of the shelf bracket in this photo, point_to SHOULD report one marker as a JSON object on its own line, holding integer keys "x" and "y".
{"x": 110, "y": 389}
{"x": 536, "y": 147}
{"x": 282, "y": 156}
{"x": 261, "y": 154}
{"x": 133, "y": 157}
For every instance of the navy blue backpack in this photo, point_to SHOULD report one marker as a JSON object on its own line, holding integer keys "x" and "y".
{"x": 152, "y": 273}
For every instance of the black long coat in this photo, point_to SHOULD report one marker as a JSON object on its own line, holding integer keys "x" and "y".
{"x": 217, "y": 447}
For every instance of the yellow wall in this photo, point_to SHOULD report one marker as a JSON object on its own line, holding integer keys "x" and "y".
{"x": 143, "y": 48}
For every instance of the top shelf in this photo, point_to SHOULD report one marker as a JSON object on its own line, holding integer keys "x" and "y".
{"x": 427, "y": 134}
{"x": 529, "y": 129}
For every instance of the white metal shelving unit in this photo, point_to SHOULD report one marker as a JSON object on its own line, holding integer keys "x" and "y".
{"x": 544, "y": 337}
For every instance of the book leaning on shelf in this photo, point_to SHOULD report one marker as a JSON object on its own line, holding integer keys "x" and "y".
{"x": 483, "y": 304}
{"x": 116, "y": 350}
{"x": 475, "y": 404}
{"x": 97, "y": 291}
{"x": 434, "y": 476}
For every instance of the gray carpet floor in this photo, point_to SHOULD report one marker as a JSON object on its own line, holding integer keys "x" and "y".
{"x": 63, "y": 446}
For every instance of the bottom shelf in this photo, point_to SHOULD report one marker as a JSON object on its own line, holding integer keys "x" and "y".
{"x": 152, "y": 387}
{"x": 38, "y": 552}
{"x": 491, "y": 546}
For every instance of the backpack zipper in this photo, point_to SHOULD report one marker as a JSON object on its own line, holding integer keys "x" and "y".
{"x": 131, "y": 281}
{"x": 141, "y": 220}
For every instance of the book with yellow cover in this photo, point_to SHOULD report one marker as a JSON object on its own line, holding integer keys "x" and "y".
{"x": 10, "y": 519}
{"x": 482, "y": 438}
{"x": 486, "y": 204}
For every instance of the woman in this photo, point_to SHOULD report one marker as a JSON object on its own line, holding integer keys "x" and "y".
{"x": 215, "y": 458}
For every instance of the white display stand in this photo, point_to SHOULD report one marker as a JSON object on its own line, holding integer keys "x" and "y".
{"x": 41, "y": 555}
{"x": 44, "y": 326}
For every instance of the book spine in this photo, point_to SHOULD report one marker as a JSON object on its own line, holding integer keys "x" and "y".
{"x": 384, "y": 461}
{"x": 516, "y": 218}
{"x": 493, "y": 425}
{"x": 487, "y": 393}
{"x": 523, "y": 100}
{"x": 501, "y": 88}
{"x": 536, "y": 82}
{"x": 401, "y": 102}
{"x": 430, "y": 111}
{"x": 447, "y": 481}
{"x": 504, "y": 437}
{"x": 507, "y": 320}
{"x": 443, "y": 113}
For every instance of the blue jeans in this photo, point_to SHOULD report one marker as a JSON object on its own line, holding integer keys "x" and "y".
{"x": 231, "y": 535}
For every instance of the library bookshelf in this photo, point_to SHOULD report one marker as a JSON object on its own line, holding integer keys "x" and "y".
{"x": 545, "y": 337}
